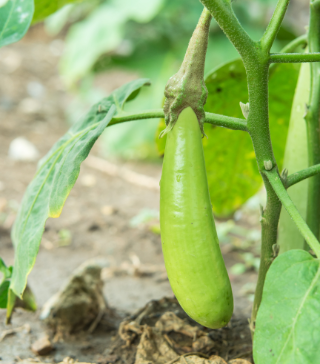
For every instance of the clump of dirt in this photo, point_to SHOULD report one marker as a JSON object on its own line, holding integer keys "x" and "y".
{"x": 80, "y": 304}
{"x": 161, "y": 332}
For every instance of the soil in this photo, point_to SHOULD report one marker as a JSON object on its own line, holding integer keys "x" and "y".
{"x": 97, "y": 217}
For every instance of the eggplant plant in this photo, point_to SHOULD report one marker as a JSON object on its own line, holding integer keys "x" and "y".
{"x": 243, "y": 149}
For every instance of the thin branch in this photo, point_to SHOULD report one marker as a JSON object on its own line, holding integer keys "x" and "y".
{"x": 226, "y": 121}
{"x": 289, "y": 48}
{"x": 300, "y": 41}
{"x": 148, "y": 114}
{"x": 274, "y": 25}
{"x": 294, "y": 57}
{"x": 215, "y": 119}
{"x": 301, "y": 175}
{"x": 223, "y": 13}
{"x": 283, "y": 196}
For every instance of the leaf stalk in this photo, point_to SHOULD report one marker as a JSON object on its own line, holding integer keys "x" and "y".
{"x": 280, "y": 190}
{"x": 210, "y": 118}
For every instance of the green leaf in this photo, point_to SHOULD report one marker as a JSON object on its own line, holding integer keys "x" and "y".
{"x": 44, "y": 8}
{"x": 6, "y": 271}
{"x": 101, "y": 32}
{"x": 4, "y": 288}
{"x": 295, "y": 159}
{"x": 233, "y": 175}
{"x": 15, "y": 19}
{"x": 56, "y": 175}
{"x": 287, "y": 326}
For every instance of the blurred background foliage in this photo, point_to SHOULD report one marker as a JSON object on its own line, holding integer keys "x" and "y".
{"x": 140, "y": 39}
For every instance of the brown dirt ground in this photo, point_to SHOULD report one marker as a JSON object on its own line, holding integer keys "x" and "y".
{"x": 94, "y": 234}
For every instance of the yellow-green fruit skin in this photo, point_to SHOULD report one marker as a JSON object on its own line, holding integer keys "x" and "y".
{"x": 190, "y": 245}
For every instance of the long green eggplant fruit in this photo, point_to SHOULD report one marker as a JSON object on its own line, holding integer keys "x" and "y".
{"x": 190, "y": 245}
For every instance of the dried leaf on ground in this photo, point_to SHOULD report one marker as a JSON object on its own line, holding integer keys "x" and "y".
{"x": 154, "y": 348}
{"x": 161, "y": 333}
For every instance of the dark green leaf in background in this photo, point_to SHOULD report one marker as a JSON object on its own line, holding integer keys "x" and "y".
{"x": 232, "y": 170}
{"x": 288, "y": 321}
{"x": 233, "y": 175}
{"x": 56, "y": 175}
{"x": 15, "y": 19}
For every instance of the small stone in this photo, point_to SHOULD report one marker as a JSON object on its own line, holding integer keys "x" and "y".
{"x": 22, "y": 150}
{"x": 88, "y": 180}
{"x": 42, "y": 346}
{"x": 3, "y": 204}
{"x": 30, "y": 106}
{"x": 107, "y": 210}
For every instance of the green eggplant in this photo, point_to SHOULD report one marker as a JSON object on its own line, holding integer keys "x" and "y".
{"x": 190, "y": 244}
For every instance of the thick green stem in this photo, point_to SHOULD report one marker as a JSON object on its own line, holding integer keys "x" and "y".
{"x": 210, "y": 118}
{"x": 258, "y": 118}
{"x": 255, "y": 57}
{"x": 223, "y": 13}
{"x": 312, "y": 120}
{"x": 302, "y": 175}
{"x": 258, "y": 127}
{"x": 274, "y": 25}
{"x": 280, "y": 190}
{"x": 294, "y": 57}
{"x": 269, "y": 232}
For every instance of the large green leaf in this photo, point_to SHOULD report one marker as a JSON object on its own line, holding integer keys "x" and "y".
{"x": 56, "y": 175}
{"x": 233, "y": 175}
{"x": 287, "y": 326}
{"x": 295, "y": 159}
{"x": 15, "y": 19}
{"x": 44, "y": 8}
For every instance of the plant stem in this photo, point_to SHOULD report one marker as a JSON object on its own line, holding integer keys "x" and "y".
{"x": 258, "y": 126}
{"x": 258, "y": 118}
{"x": 255, "y": 57}
{"x": 215, "y": 119}
{"x": 148, "y": 114}
{"x": 301, "y": 175}
{"x": 277, "y": 185}
{"x": 226, "y": 121}
{"x": 223, "y": 13}
{"x": 289, "y": 48}
{"x": 269, "y": 233}
{"x": 294, "y": 57}
{"x": 312, "y": 121}
{"x": 274, "y": 25}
